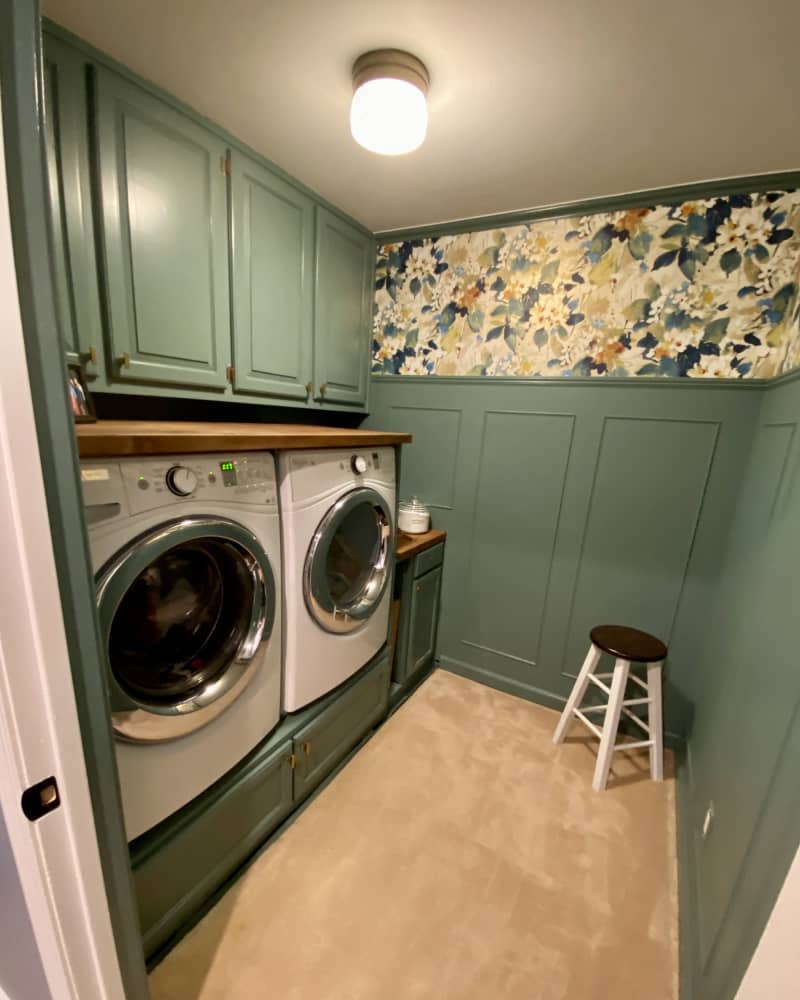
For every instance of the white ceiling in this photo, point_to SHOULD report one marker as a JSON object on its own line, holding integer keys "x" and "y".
{"x": 532, "y": 102}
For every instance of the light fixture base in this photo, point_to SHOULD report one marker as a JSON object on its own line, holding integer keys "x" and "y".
{"x": 395, "y": 63}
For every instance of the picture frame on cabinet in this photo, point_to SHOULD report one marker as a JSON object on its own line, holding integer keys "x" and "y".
{"x": 80, "y": 399}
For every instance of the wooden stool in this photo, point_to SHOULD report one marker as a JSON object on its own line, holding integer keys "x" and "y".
{"x": 628, "y": 645}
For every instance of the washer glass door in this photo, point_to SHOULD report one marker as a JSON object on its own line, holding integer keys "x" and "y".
{"x": 348, "y": 563}
{"x": 184, "y": 610}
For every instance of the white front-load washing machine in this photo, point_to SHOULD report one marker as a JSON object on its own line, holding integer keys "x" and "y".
{"x": 186, "y": 553}
{"x": 338, "y": 512}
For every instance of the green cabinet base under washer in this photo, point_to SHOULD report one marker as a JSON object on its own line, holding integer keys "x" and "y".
{"x": 181, "y": 865}
{"x": 208, "y": 841}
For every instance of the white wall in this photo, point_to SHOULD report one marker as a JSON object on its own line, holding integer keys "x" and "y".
{"x": 774, "y": 970}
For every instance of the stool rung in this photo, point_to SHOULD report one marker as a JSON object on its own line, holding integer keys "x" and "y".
{"x": 636, "y": 719}
{"x": 603, "y": 687}
{"x": 638, "y": 680}
{"x": 587, "y": 722}
{"x": 594, "y": 708}
{"x": 636, "y": 701}
{"x": 633, "y": 746}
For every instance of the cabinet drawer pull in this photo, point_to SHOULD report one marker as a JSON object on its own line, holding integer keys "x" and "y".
{"x": 230, "y": 373}
{"x": 307, "y": 747}
{"x": 91, "y": 356}
{"x": 322, "y": 390}
{"x": 125, "y": 360}
{"x": 309, "y": 388}
{"x": 419, "y": 588}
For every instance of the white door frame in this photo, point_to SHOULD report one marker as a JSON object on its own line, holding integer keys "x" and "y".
{"x": 57, "y": 856}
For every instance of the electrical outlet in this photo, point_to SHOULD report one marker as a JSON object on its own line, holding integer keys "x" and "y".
{"x": 708, "y": 820}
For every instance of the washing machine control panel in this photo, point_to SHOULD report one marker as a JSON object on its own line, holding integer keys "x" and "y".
{"x": 158, "y": 481}
{"x": 314, "y": 473}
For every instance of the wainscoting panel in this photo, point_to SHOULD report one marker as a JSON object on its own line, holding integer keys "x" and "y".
{"x": 522, "y": 469}
{"x": 649, "y": 483}
{"x": 429, "y": 472}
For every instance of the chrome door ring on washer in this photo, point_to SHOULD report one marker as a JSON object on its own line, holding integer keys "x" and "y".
{"x": 342, "y": 586}
{"x": 184, "y": 609}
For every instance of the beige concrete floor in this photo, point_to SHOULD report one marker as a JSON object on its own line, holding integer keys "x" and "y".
{"x": 459, "y": 855}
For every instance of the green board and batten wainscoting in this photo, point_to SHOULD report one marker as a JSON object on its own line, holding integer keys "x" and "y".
{"x": 743, "y": 750}
{"x": 567, "y": 505}
{"x": 187, "y": 266}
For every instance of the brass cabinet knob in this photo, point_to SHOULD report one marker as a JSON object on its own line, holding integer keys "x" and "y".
{"x": 309, "y": 388}
{"x": 307, "y": 748}
{"x": 91, "y": 356}
{"x": 125, "y": 360}
{"x": 322, "y": 390}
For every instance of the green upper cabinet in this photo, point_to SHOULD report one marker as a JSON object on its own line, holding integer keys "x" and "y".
{"x": 184, "y": 261}
{"x": 343, "y": 310}
{"x": 75, "y": 266}
{"x": 272, "y": 239}
{"x": 163, "y": 197}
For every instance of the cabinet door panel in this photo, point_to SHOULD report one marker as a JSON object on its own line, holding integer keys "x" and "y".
{"x": 424, "y": 619}
{"x": 326, "y": 740}
{"x": 75, "y": 266}
{"x": 164, "y": 201}
{"x": 273, "y": 290}
{"x": 343, "y": 310}
{"x": 183, "y": 861}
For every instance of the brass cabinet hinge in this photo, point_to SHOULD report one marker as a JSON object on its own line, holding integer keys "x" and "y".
{"x": 292, "y": 760}
{"x": 231, "y": 373}
{"x": 225, "y": 165}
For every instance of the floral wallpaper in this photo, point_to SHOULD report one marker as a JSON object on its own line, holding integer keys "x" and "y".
{"x": 705, "y": 289}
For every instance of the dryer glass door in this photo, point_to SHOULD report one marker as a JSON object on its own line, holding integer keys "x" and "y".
{"x": 184, "y": 610}
{"x": 348, "y": 563}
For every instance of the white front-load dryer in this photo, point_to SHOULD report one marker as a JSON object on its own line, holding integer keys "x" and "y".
{"x": 186, "y": 553}
{"x": 338, "y": 514}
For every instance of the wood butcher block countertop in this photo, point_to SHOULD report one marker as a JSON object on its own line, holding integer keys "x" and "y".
{"x": 412, "y": 545}
{"x": 117, "y": 438}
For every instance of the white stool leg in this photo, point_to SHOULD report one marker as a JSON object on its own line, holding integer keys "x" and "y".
{"x": 655, "y": 721}
{"x": 618, "y": 682}
{"x": 578, "y": 691}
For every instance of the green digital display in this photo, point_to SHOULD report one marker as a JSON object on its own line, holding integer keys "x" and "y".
{"x": 228, "y": 470}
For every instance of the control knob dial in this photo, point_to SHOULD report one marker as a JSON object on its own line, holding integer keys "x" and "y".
{"x": 358, "y": 464}
{"x": 181, "y": 481}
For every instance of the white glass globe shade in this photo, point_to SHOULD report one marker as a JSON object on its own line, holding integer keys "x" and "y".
{"x": 389, "y": 116}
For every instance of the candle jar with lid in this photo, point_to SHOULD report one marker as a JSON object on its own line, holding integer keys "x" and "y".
{"x": 413, "y": 516}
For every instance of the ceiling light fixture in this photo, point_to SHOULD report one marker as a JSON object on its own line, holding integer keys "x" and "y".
{"x": 389, "y": 113}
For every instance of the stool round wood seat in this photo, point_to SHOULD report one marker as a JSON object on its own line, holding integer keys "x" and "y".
{"x": 627, "y": 646}
{"x": 628, "y": 643}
